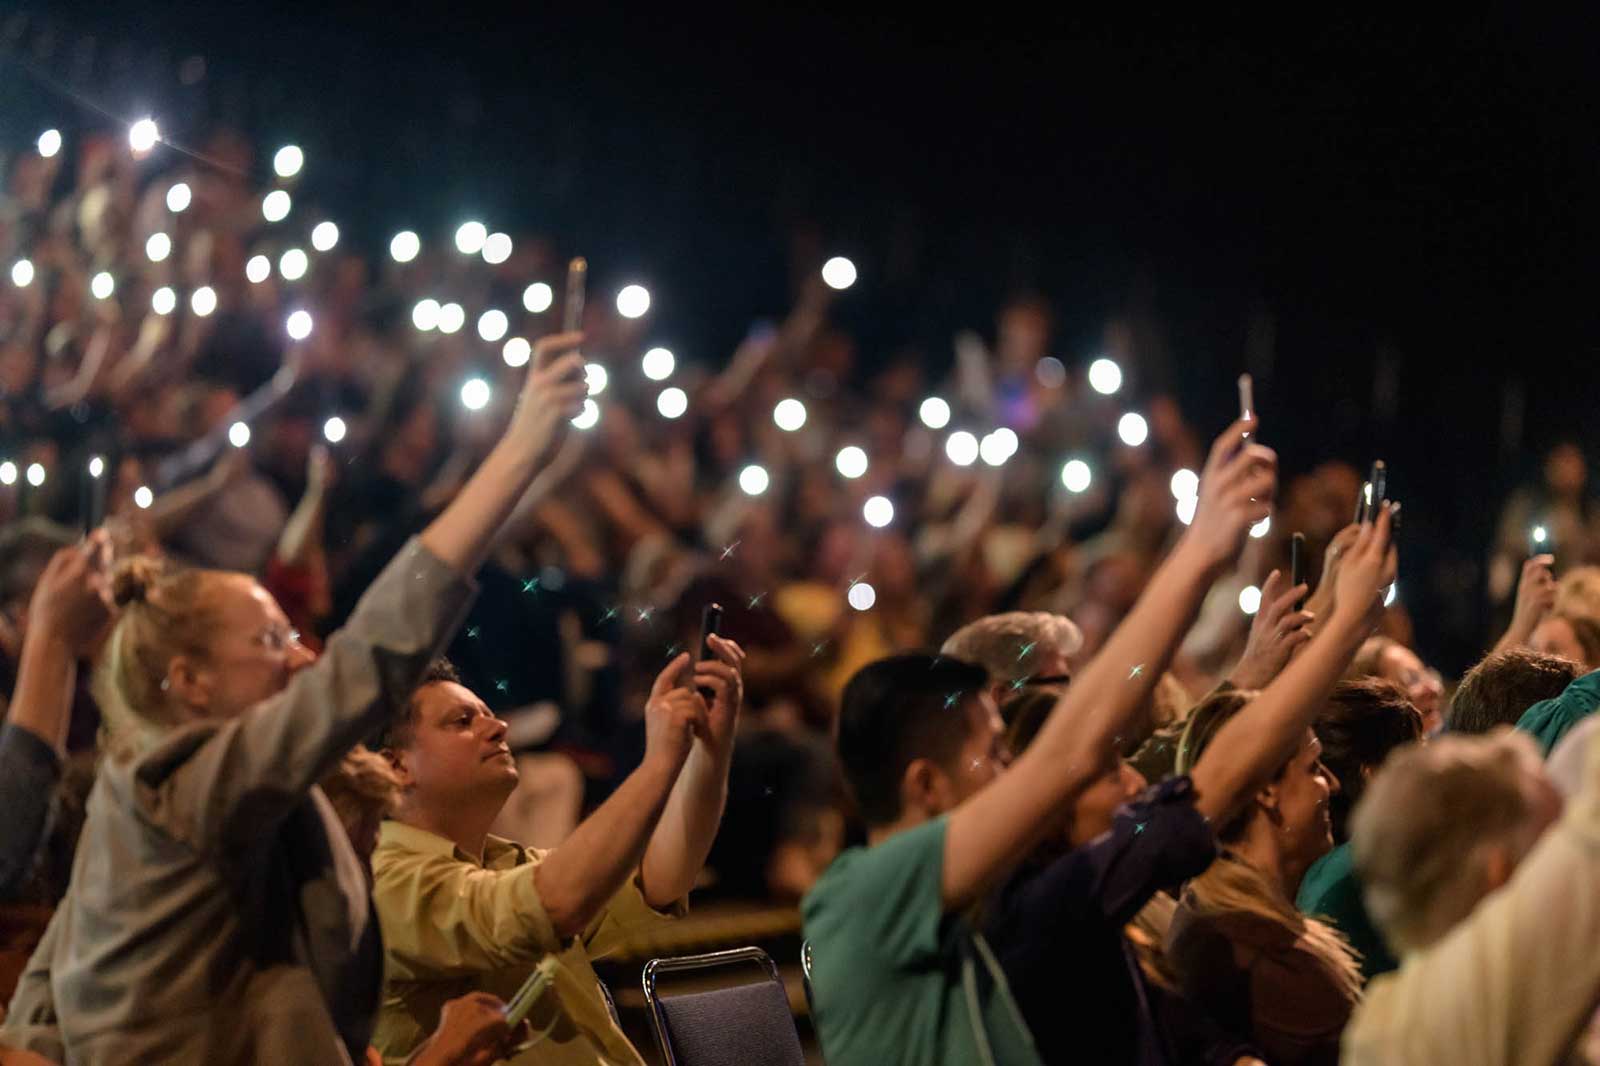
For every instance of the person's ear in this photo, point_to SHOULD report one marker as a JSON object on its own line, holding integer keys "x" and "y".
{"x": 396, "y": 758}
{"x": 1269, "y": 797}
{"x": 189, "y": 683}
{"x": 923, "y": 787}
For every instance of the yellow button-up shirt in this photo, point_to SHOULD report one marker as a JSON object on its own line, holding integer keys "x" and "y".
{"x": 452, "y": 925}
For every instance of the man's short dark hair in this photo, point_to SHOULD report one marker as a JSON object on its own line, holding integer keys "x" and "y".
{"x": 1503, "y": 685}
{"x": 399, "y": 730}
{"x": 897, "y": 710}
{"x": 1363, "y": 721}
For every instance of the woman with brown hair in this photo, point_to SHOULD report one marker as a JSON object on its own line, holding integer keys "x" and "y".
{"x": 218, "y": 912}
{"x": 1238, "y": 946}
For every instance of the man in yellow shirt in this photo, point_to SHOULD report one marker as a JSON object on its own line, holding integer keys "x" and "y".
{"x": 464, "y": 911}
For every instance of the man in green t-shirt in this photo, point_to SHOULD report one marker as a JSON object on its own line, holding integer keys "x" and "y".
{"x": 898, "y": 972}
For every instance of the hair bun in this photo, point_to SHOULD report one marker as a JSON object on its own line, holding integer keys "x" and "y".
{"x": 134, "y": 578}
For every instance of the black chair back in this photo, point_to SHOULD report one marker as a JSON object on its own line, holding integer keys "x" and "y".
{"x": 747, "y": 1024}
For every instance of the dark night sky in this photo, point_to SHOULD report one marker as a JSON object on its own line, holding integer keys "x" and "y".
{"x": 1416, "y": 185}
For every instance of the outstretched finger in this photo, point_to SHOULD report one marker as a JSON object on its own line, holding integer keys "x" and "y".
{"x": 667, "y": 679}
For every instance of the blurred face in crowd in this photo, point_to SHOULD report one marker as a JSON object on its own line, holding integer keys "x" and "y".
{"x": 1092, "y": 813}
{"x": 1555, "y": 636}
{"x": 1565, "y": 471}
{"x": 979, "y": 761}
{"x": 1299, "y": 801}
{"x": 1401, "y": 665}
{"x": 254, "y": 653}
{"x": 456, "y": 750}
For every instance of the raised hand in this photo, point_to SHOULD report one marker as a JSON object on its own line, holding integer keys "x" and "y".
{"x": 1536, "y": 594}
{"x": 674, "y": 716}
{"x": 1320, "y": 603}
{"x": 72, "y": 601}
{"x": 552, "y": 395}
{"x": 1236, "y": 489}
{"x": 1275, "y": 633}
{"x": 1366, "y": 572}
{"x": 723, "y": 676}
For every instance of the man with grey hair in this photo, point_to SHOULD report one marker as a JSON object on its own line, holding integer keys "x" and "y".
{"x": 1489, "y": 894}
{"x": 1018, "y": 648}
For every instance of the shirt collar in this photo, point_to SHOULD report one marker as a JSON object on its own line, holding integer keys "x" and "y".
{"x": 496, "y": 850}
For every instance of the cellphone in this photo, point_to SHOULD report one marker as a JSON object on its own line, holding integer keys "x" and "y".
{"x": 1380, "y": 488}
{"x": 710, "y": 622}
{"x": 1247, "y": 396}
{"x": 1362, "y": 499}
{"x": 577, "y": 285}
{"x": 1297, "y": 562}
{"x": 1539, "y": 540}
{"x": 96, "y": 482}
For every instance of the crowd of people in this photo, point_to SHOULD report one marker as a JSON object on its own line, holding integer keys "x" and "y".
{"x": 349, "y": 611}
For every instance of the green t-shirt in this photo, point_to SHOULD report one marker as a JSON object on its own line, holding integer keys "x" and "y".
{"x": 1331, "y": 891}
{"x": 1549, "y": 720}
{"x": 896, "y": 979}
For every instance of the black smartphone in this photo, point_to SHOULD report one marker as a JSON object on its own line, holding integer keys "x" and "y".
{"x": 710, "y": 623}
{"x": 1361, "y": 503}
{"x": 577, "y": 286}
{"x": 1539, "y": 540}
{"x": 1297, "y": 563}
{"x": 1380, "y": 488}
{"x": 95, "y": 484}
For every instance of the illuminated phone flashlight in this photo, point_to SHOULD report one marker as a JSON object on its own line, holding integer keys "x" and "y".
{"x": 672, "y": 402}
{"x": 239, "y": 434}
{"x": 1249, "y": 599}
{"x": 425, "y": 315}
{"x": 475, "y": 394}
{"x": 179, "y": 197}
{"x": 22, "y": 273}
{"x": 1105, "y": 376}
{"x": 451, "y": 318}
{"x": 97, "y": 466}
{"x": 633, "y": 301}
{"x": 1185, "y": 484}
{"x": 789, "y": 414}
{"x": 851, "y": 462}
{"x": 517, "y": 352}
{"x": 163, "y": 300}
{"x": 258, "y": 269}
{"x": 1261, "y": 528}
{"x": 143, "y": 498}
{"x": 102, "y": 286}
{"x": 934, "y": 412}
{"x": 158, "y": 247}
{"x": 298, "y": 325}
{"x": 404, "y": 246}
{"x": 1133, "y": 429}
{"x": 492, "y": 325}
{"x": 595, "y": 376}
{"x": 470, "y": 237}
{"x": 8, "y": 473}
{"x": 143, "y": 136}
{"x": 292, "y": 265}
{"x": 658, "y": 364}
{"x": 538, "y": 297}
{"x": 334, "y": 430}
{"x": 1076, "y": 476}
{"x": 203, "y": 301}
{"x": 36, "y": 474}
{"x": 288, "y": 160}
{"x": 861, "y": 596}
{"x": 49, "y": 143}
{"x": 275, "y": 206}
{"x": 1541, "y": 536}
{"x": 961, "y": 448}
{"x": 496, "y": 248}
{"x": 878, "y": 511}
{"x": 754, "y": 480}
{"x": 589, "y": 417}
{"x": 839, "y": 273}
{"x": 324, "y": 236}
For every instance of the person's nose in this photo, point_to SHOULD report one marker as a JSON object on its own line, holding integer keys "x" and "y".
{"x": 497, "y": 730}
{"x": 300, "y": 657}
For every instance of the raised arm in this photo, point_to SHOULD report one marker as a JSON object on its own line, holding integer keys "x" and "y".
{"x": 991, "y": 832}
{"x": 579, "y": 877}
{"x": 682, "y": 840}
{"x": 1256, "y": 741}
{"x": 1536, "y": 594}
{"x": 235, "y": 785}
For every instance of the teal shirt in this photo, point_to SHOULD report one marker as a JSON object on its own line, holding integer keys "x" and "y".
{"x": 897, "y": 980}
{"x": 1549, "y": 720}
{"x": 1331, "y": 891}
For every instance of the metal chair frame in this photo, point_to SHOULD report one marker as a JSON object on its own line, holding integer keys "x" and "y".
{"x": 688, "y": 964}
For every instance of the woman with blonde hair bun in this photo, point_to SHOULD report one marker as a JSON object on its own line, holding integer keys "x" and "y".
{"x": 217, "y": 911}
